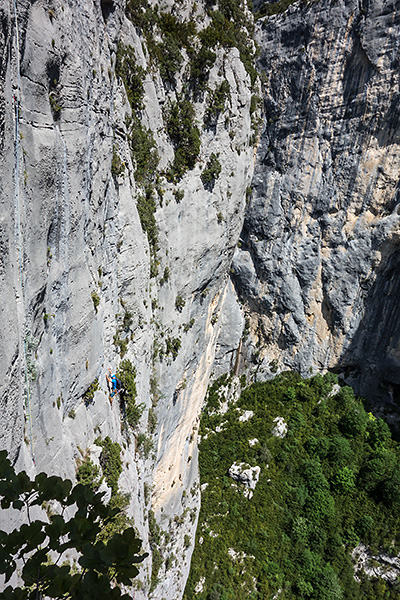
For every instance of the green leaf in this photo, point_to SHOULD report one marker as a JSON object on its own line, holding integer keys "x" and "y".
{"x": 9, "y": 571}
{"x": 104, "y": 563}
{"x": 7, "y": 472}
{"x": 22, "y": 483}
{"x": 55, "y": 530}
{"x": 10, "y": 593}
{"x": 124, "y": 576}
{"x": 32, "y": 567}
{"x": 59, "y": 578}
{"x": 34, "y": 535}
{"x": 91, "y": 558}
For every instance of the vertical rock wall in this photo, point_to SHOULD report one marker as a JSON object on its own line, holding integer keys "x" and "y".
{"x": 84, "y": 275}
{"x": 318, "y": 263}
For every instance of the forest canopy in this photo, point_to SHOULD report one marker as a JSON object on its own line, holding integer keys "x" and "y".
{"x": 329, "y": 486}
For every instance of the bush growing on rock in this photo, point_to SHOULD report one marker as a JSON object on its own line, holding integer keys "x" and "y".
{"x": 217, "y": 100}
{"x": 89, "y": 474}
{"x": 212, "y": 170}
{"x": 201, "y": 63}
{"x": 110, "y": 461}
{"x": 185, "y": 136}
{"x": 131, "y": 74}
{"x": 127, "y": 373}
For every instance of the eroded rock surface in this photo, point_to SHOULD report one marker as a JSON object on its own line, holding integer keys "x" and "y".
{"x": 318, "y": 267}
{"x": 280, "y": 428}
{"x": 382, "y": 565}
{"x": 81, "y": 287}
{"x": 247, "y": 475}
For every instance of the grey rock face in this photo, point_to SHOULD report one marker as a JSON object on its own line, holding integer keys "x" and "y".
{"x": 75, "y": 262}
{"x": 318, "y": 266}
{"x": 383, "y": 566}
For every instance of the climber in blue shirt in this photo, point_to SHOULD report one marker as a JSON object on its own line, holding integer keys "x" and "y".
{"x": 114, "y": 383}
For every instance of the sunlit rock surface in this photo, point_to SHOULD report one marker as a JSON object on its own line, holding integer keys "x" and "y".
{"x": 318, "y": 267}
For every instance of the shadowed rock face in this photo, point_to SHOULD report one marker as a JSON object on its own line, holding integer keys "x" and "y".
{"x": 318, "y": 263}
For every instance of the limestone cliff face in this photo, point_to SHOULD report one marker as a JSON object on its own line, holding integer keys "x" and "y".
{"x": 318, "y": 263}
{"x": 79, "y": 280}
{"x": 98, "y": 260}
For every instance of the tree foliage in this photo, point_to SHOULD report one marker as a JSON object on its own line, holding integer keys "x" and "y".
{"x": 211, "y": 171}
{"x": 185, "y": 136}
{"x": 38, "y": 549}
{"x": 332, "y": 482}
{"x": 127, "y": 373}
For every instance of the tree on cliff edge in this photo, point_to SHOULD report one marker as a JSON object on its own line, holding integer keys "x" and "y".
{"x": 37, "y": 549}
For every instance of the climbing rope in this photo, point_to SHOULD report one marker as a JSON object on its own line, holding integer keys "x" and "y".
{"x": 16, "y": 152}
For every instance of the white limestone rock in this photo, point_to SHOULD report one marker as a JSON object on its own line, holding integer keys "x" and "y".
{"x": 221, "y": 427}
{"x": 280, "y": 428}
{"x": 248, "y": 476}
{"x": 199, "y": 587}
{"x": 246, "y": 415}
{"x": 381, "y": 565}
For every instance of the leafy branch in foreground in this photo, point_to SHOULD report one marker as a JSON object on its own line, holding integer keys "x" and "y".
{"x": 38, "y": 548}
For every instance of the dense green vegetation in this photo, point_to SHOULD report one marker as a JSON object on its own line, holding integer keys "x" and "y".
{"x": 217, "y": 101}
{"x": 332, "y": 482}
{"x": 155, "y": 542}
{"x": 174, "y": 46}
{"x": 211, "y": 171}
{"x": 88, "y": 474}
{"x": 142, "y": 146}
{"x": 132, "y": 75}
{"x": 143, "y": 150}
{"x": 110, "y": 461}
{"x": 230, "y": 28}
{"x": 37, "y": 549}
{"x": 185, "y": 136}
{"x": 111, "y": 465}
{"x": 133, "y": 412}
{"x": 141, "y": 141}
{"x": 175, "y": 36}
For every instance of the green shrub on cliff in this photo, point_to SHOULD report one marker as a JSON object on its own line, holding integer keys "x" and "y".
{"x": 217, "y": 101}
{"x": 127, "y": 373}
{"x": 110, "y": 461}
{"x": 89, "y": 474}
{"x": 143, "y": 150}
{"x": 131, "y": 74}
{"x": 211, "y": 171}
{"x": 274, "y": 8}
{"x": 185, "y": 136}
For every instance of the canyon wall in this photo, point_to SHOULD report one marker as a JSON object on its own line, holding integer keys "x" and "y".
{"x": 97, "y": 266}
{"x": 318, "y": 262}
{"x": 112, "y": 250}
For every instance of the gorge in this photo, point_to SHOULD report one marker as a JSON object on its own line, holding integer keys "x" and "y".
{"x": 196, "y": 191}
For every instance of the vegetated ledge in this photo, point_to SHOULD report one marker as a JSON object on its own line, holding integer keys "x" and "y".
{"x": 328, "y": 485}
